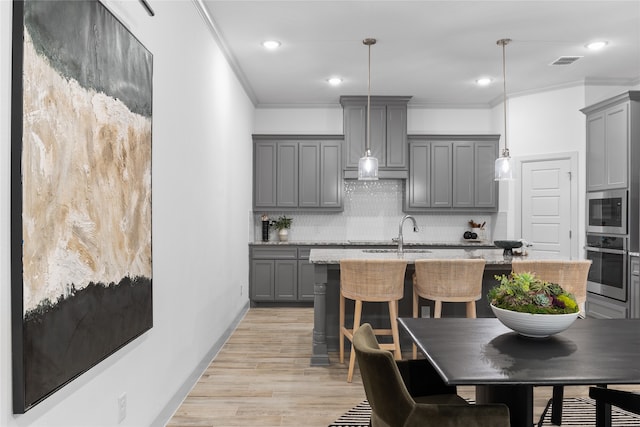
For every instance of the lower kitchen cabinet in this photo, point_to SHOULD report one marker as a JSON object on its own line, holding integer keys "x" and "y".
{"x": 605, "y": 308}
{"x": 634, "y": 287}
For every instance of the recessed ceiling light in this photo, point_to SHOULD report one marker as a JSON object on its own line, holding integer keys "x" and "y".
{"x": 271, "y": 44}
{"x": 596, "y": 45}
{"x": 484, "y": 81}
{"x": 334, "y": 81}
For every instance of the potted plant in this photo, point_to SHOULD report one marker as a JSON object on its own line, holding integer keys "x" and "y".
{"x": 282, "y": 224}
{"x": 532, "y": 307}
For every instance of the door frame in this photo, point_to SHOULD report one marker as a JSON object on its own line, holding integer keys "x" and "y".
{"x": 573, "y": 189}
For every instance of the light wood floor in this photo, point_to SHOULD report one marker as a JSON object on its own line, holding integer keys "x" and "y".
{"x": 262, "y": 377}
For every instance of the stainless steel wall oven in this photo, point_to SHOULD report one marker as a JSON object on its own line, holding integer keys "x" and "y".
{"x": 608, "y": 273}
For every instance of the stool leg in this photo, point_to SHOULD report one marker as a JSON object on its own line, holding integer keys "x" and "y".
{"x": 341, "y": 328}
{"x": 471, "y": 309}
{"x": 416, "y": 300}
{"x": 437, "y": 309}
{"x": 393, "y": 316}
{"x": 356, "y": 324}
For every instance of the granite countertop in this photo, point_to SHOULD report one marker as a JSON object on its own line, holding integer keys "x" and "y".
{"x": 491, "y": 256}
{"x": 355, "y": 243}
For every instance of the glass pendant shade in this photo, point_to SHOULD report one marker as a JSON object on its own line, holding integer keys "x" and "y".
{"x": 368, "y": 167}
{"x": 503, "y": 169}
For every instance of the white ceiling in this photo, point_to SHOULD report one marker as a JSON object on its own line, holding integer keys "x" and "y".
{"x": 431, "y": 50}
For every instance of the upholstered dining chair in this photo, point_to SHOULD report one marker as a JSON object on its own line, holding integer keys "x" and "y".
{"x": 447, "y": 280}
{"x": 379, "y": 280}
{"x": 625, "y": 400}
{"x": 571, "y": 275}
{"x": 426, "y": 402}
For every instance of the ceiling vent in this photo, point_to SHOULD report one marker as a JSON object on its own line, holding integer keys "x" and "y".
{"x": 565, "y": 60}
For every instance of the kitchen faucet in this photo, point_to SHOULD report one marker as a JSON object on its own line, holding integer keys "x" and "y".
{"x": 400, "y": 238}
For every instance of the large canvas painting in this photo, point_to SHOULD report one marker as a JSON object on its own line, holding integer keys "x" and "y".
{"x": 81, "y": 192}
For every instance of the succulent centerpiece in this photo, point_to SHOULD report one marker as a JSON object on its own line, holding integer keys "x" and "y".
{"x": 532, "y": 307}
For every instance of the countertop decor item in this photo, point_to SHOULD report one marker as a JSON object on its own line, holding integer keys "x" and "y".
{"x": 508, "y": 246}
{"x": 282, "y": 224}
{"x": 532, "y": 307}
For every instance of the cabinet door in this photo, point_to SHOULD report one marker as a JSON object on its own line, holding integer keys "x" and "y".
{"x": 330, "y": 175}
{"x": 397, "y": 136}
{"x": 262, "y": 280}
{"x": 264, "y": 188}
{"x": 463, "y": 175}
{"x": 306, "y": 279}
{"x": 286, "y": 280}
{"x": 419, "y": 183}
{"x": 379, "y": 134}
{"x": 596, "y": 152}
{"x": 354, "y": 134}
{"x": 616, "y": 143}
{"x": 309, "y": 173}
{"x": 486, "y": 188}
{"x": 287, "y": 175}
{"x": 441, "y": 175}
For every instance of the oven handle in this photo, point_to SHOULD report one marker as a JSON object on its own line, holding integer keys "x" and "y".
{"x": 606, "y": 251}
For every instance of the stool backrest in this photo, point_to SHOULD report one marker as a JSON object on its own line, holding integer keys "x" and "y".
{"x": 453, "y": 280}
{"x": 571, "y": 275}
{"x": 372, "y": 280}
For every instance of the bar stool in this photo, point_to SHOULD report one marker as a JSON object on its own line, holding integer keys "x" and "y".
{"x": 370, "y": 281}
{"x": 447, "y": 280}
{"x": 572, "y": 277}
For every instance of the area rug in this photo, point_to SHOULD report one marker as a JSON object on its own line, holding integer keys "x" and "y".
{"x": 576, "y": 411}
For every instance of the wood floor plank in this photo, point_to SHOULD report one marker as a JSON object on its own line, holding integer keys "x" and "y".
{"x": 262, "y": 377}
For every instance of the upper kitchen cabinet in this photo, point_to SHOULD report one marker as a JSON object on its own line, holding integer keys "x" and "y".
{"x": 297, "y": 172}
{"x": 388, "y": 133}
{"x": 452, "y": 173}
{"x": 613, "y": 131}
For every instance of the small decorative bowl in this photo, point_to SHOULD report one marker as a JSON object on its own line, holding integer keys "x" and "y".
{"x": 508, "y": 245}
{"x": 534, "y": 325}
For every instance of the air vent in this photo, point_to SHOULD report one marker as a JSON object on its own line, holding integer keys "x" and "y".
{"x": 565, "y": 60}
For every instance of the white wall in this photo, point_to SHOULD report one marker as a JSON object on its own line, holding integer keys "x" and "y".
{"x": 202, "y": 124}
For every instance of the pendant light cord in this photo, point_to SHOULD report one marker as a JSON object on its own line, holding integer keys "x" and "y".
{"x": 504, "y": 43}
{"x": 367, "y": 147}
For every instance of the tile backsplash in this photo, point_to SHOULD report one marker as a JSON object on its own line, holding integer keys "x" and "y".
{"x": 372, "y": 211}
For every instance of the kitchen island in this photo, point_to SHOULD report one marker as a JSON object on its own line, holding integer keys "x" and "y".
{"x": 327, "y": 288}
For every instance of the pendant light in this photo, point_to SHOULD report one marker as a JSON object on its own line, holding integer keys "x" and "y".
{"x": 503, "y": 169}
{"x": 368, "y": 165}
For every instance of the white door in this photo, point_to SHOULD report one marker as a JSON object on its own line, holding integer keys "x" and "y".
{"x": 546, "y": 206}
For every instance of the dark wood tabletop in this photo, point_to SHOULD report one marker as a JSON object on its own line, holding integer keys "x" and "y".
{"x": 485, "y": 353}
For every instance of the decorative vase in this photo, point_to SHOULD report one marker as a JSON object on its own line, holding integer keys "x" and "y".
{"x": 283, "y": 234}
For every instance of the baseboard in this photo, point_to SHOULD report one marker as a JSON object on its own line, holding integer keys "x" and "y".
{"x": 174, "y": 403}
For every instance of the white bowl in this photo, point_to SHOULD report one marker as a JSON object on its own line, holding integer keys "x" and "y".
{"x": 534, "y": 325}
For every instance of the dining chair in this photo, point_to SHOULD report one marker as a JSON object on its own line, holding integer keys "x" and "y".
{"x": 393, "y": 403}
{"x": 370, "y": 281}
{"x": 447, "y": 280}
{"x": 571, "y": 275}
{"x": 625, "y": 400}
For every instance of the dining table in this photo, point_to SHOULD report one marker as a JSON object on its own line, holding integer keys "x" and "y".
{"x": 505, "y": 366}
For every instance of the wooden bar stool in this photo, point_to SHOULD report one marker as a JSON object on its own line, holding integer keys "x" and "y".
{"x": 447, "y": 280}
{"x": 371, "y": 281}
{"x": 572, "y": 277}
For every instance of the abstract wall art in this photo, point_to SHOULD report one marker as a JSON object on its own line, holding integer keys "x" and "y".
{"x": 81, "y": 193}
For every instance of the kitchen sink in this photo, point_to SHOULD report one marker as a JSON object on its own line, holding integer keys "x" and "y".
{"x": 407, "y": 251}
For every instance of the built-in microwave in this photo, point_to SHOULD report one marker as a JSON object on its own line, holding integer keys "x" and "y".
{"x": 607, "y": 212}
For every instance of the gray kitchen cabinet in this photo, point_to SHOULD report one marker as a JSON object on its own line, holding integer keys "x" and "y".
{"x": 604, "y": 308}
{"x": 388, "y": 132}
{"x": 613, "y": 132}
{"x": 634, "y": 287}
{"x": 274, "y": 274}
{"x": 451, "y": 172}
{"x": 306, "y": 275}
{"x": 294, "y": 172}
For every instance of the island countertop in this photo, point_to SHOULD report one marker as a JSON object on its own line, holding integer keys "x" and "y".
{"x": 491, "y": 256}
